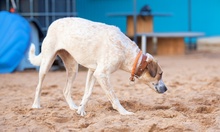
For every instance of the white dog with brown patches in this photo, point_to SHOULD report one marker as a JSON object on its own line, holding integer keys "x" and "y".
{"x": 101, "y": 48}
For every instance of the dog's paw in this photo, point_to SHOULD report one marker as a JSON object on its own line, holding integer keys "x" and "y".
{"x": 74, "y": 107}
{"x": 126, "y": 113}
{"x": 81, "y": 111}
{"x": 36, "y": 106}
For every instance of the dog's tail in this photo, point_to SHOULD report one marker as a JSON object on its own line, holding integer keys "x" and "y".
{"x": 35, "y": 60}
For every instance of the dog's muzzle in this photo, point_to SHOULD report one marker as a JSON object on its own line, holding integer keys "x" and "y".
{"x": 160, "y": 87}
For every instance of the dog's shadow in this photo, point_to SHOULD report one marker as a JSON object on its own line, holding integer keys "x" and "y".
{"x": 139, "y": 106}
{"x": 136, "y": 106}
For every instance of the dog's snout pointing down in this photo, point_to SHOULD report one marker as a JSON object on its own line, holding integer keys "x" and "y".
{"x": 160, "y": 87}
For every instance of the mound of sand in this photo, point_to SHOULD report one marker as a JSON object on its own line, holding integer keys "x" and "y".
{"x": 192, "y": 102}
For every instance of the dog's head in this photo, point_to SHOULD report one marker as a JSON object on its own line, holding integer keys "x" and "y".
{"x": 152, "y": 75}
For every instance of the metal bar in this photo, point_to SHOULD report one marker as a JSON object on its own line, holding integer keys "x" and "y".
{"x": 135, "y": 21}
{"x": 18, "y": 5}
{"x": 74, "y": 6}
{"x": 144, "y": 44}
{"x": 7, "y": 5}
{"x": 48, "y": 14}
{"x": 31, "y": 9}
{"x": 155, "y": 45}
{"x": 67, "y": 6}
{"x": 189, "y": 23}
{"x": 13, "y": 4}
{"x": 53, "y": 10}
{"x": 44, "y": 28}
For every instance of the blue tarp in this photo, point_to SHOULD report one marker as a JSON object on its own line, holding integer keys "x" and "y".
{"x": 14, "y": 40}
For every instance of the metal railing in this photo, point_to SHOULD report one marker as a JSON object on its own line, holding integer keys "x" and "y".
{"x": 45, "y": 11}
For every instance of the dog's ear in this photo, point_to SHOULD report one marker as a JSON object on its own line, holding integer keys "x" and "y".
{"x": 152, "y": 65}
{"x": 149, "y": 57}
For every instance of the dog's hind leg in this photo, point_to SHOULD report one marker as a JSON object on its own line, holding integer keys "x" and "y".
{"x": 44, "y": 67}
{"x": 90, "y": 81}
{"x": 71, "y": 70}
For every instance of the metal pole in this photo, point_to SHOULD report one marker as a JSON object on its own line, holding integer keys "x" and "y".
{"x": 135, "y": 20}
{"x": 144, "y": 44}
{"x": 189, "y": 23}
{"x": 13, "y": 4}
{"x": 68, "y": 7}
{"x": 7, "y": 5}
{"x": 18, "y": 5}
{"x": 53, "y": 10}
{"x": 46, "y": 11}
{"x": 31, "y": 9}
{"x": 74, "y": 6}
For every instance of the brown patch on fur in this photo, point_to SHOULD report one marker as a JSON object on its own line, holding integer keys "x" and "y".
{"x": 152, "y": 68}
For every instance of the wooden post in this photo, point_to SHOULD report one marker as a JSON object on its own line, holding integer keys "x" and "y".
{"x": 171, "y": 46}
{"x": 144, "y": 25}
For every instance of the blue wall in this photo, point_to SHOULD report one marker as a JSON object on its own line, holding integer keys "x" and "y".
{"x": 97, "y": 10}
{"x": 205, "y": 15}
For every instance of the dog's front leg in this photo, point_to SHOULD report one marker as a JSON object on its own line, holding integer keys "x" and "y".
{"x": 104, "y": 81}
{"x": 90, "y": 81}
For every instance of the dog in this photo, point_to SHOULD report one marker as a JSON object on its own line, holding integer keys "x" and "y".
{"x": 102, "y": 49}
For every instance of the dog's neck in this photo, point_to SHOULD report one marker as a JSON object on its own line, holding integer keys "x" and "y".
{"x": 130, "y": 55}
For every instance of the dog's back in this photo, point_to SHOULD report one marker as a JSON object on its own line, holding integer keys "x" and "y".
{"x": 86, "y": 40}
{"x": 81, "y": 29}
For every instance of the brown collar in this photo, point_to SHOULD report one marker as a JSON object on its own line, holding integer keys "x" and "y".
{"x": 141, "y": 67}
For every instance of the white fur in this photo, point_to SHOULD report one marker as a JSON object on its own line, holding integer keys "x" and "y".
{"x": 35, "y": 60}
{"x": 101, "y": 48}
{"x": 149, "y": 57}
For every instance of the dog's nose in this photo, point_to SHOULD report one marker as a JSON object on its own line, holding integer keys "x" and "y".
{"x": 160, "y": 87}
{"x": 164, "y": 89}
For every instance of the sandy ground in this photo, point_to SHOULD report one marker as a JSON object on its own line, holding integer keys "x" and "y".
{"x": 192, "y": 102}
